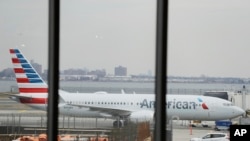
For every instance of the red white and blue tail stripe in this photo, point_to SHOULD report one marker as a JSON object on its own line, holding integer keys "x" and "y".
{"x": 28, "y": 80}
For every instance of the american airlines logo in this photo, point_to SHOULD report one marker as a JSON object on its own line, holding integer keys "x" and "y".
{"x": 175, "y": 104}
{"x": 203, "y": 105}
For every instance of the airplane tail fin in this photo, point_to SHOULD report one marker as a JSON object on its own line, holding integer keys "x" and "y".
{"x": 28, "y": 80}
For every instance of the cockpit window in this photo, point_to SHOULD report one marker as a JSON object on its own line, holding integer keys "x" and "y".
{"x": 227, "y": 104}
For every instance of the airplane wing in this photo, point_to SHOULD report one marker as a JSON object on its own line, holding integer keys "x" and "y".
{"x": 16, "y": 95}
{"x": 107, "y": 110}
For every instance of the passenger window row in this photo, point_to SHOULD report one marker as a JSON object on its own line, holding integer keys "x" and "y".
{"x": 102, "y": 103}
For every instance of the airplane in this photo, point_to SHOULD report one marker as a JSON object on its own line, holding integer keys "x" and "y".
{"x": 33, "y": 91}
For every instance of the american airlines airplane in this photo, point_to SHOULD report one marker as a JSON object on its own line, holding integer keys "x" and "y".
{"x": 33, "y": 91}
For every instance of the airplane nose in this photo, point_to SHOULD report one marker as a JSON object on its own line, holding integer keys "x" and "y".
{"x": 238, "y": 111}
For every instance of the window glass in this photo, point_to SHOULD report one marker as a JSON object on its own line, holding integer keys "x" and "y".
{"x": 104, "y": 42}
{"x": 208, "y": 49}
{"x": 24, "y": 64}
{"x": 107, "y": 54}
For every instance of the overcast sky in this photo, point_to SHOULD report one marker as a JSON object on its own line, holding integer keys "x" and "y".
{"x": 206, "y": 37}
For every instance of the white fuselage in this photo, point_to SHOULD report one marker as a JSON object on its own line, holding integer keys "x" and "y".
{"x": 184, "y": 107}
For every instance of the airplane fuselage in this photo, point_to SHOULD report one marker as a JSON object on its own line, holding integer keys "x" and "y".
{"x": 184, "y": 107}
{"x": 34, "y": 92}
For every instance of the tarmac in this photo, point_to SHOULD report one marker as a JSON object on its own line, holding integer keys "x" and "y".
{"x": 185, "y": 133}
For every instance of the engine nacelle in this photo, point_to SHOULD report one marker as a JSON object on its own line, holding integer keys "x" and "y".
{"x": 142, "y": 116}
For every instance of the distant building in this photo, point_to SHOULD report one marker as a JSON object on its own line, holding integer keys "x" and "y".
{"x": 99, "y": 73}
{"x": 120, "y": 71}
{"x": 150, "y": 73}
{"x": 37, "y": 67}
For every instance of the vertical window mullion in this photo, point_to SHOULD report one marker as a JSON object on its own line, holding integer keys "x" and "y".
{"x": 53, "y": 72}
{"x": 161, "y": 63}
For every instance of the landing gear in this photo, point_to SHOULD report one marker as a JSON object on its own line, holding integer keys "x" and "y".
{"x": 117, "y": 124}
{"x": 120, "y": 123}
